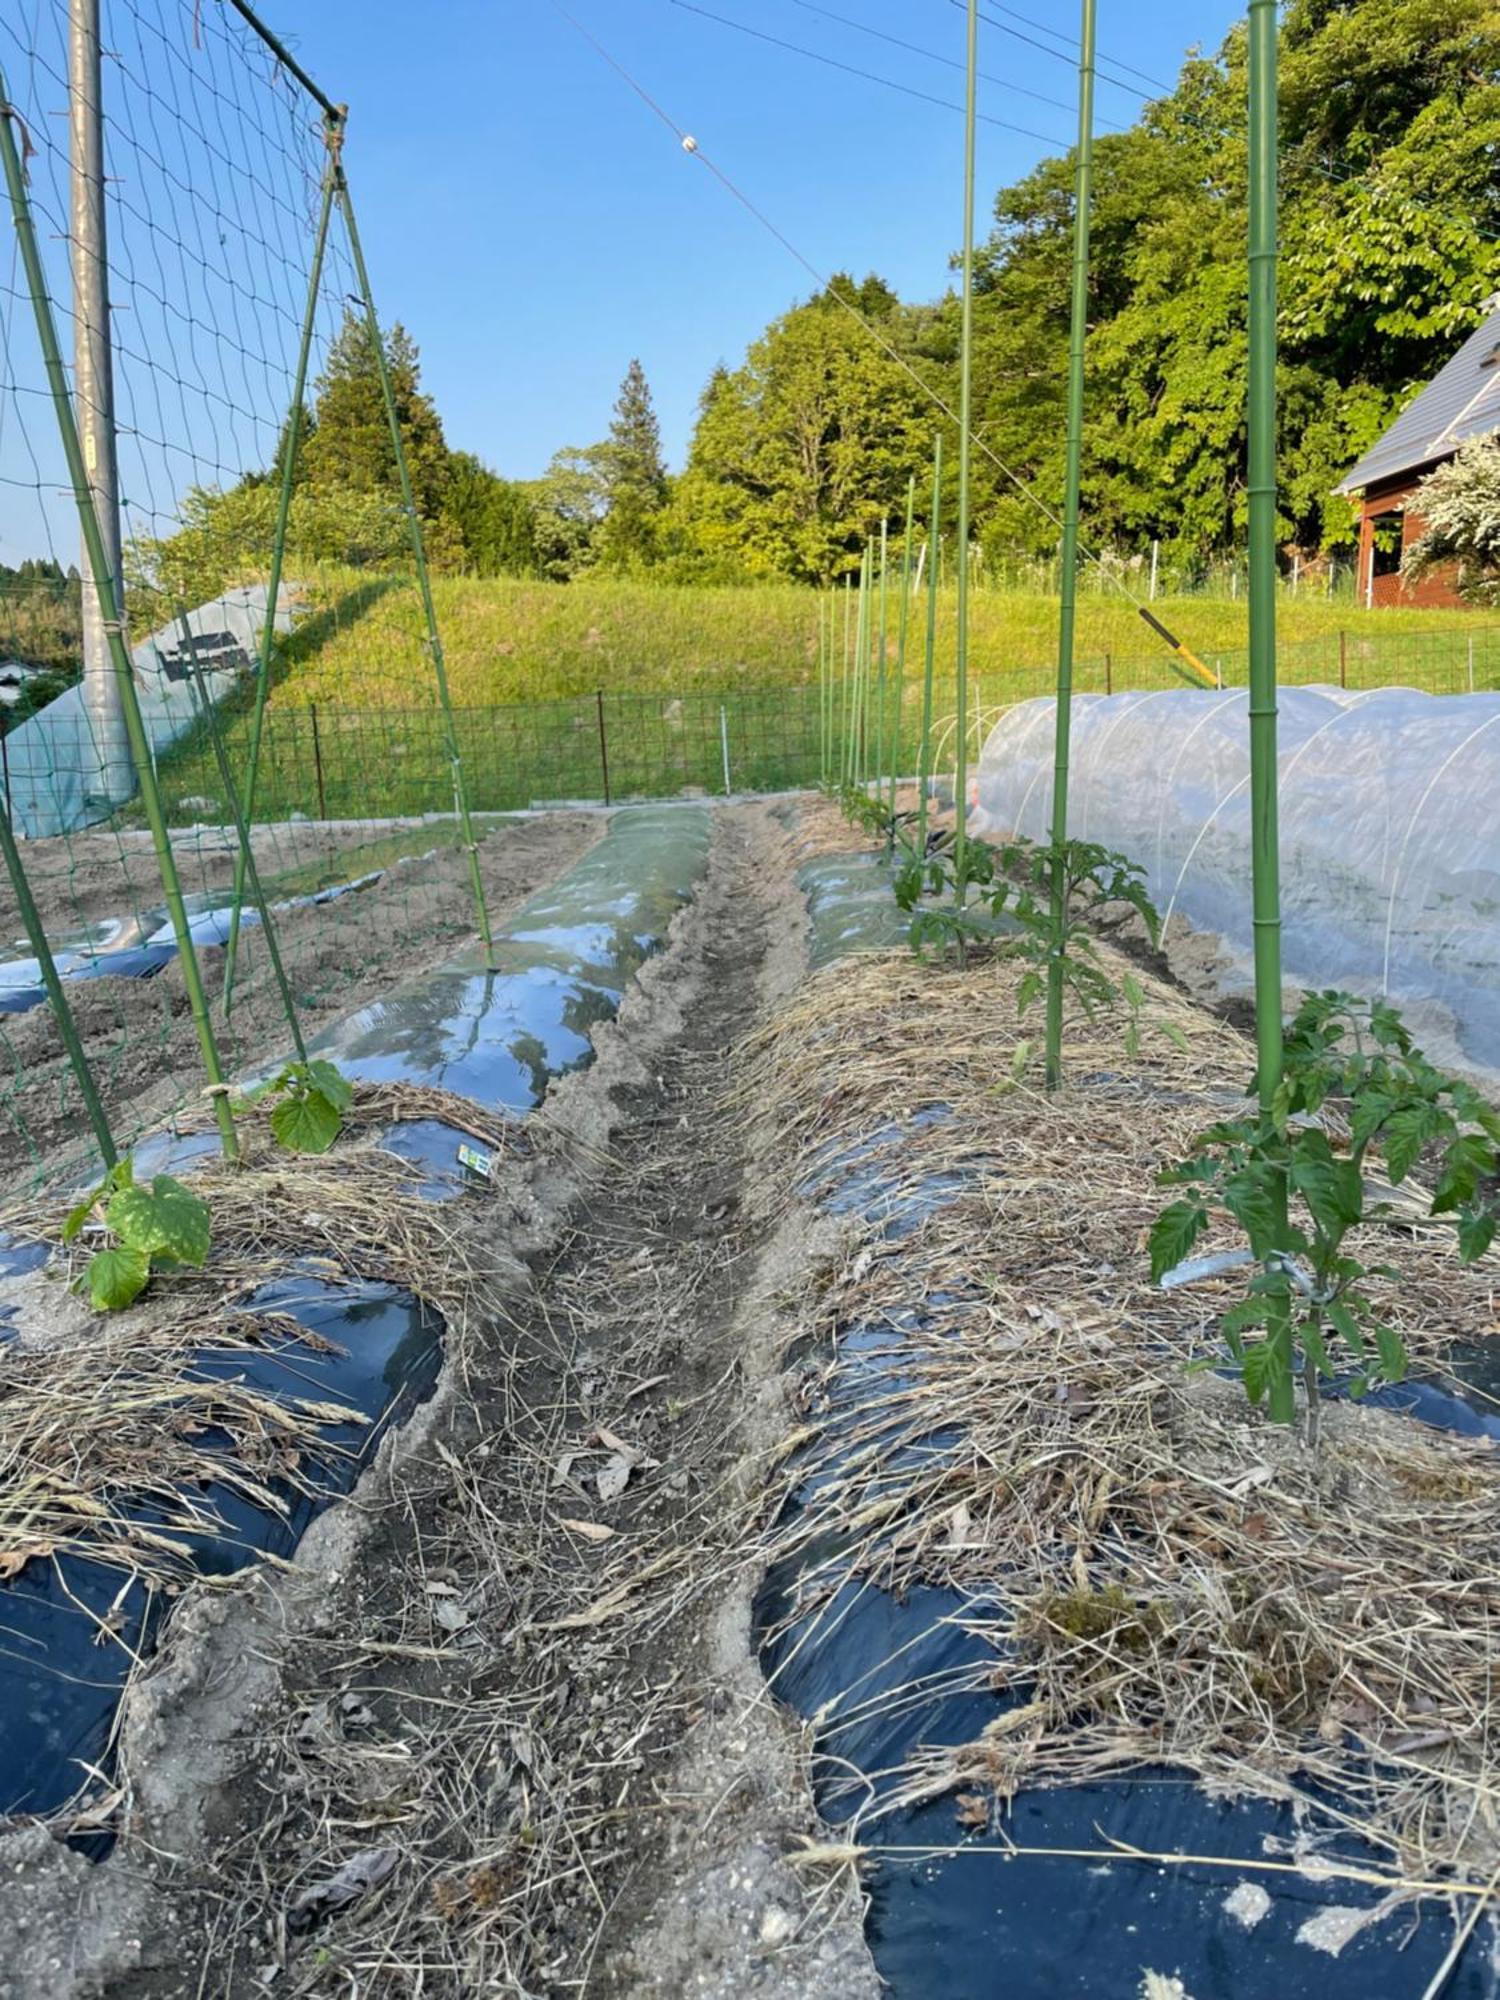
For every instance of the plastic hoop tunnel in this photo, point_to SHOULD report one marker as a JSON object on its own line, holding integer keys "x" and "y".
{"x": 1390, "y": 834}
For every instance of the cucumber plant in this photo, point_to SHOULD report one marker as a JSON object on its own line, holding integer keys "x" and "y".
{"x": 313, "y": 1098}
{"x": 1295, "y": 1183}
{"x": 151, "y": 1228}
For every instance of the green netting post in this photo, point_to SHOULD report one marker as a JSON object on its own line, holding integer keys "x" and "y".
{"x": 911, "y": 507}
{"x": 857, "y": 677}
{"x": 333, "y": 126}
{"x": 1261, "y": 493}
{"x": 844, "y": 674}
{"x": 880, "y": 671}
{"x": 419, "y": 559}
{"x": 965, "y": 417}
{"x": 1083, "y": 172}
{"x": 924, "y": 756}
{"x": 246, "y": 856}
{"x": 62, "y": 1012}
{"x": 110, "y": 614}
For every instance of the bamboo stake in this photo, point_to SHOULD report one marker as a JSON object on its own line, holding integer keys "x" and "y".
{"x": 965, "y": 417}
{"x": 1068, "y": 581}
{"x": 911, "y": 507}
{"x": 924, "y": 757}
{"x": 1261, "y": 491}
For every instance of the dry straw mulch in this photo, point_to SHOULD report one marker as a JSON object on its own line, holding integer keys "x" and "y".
{"x": 100, "y": 1413}
{"x": 1166, "y": 1577}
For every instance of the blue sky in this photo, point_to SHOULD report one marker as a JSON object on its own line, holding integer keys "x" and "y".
{"x": 535, "y": 226}
{"x": 524, "y": 213}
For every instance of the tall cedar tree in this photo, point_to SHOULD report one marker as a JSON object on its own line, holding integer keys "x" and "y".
{"x": 349, "y": 445}
{"x": 635, "y": 477}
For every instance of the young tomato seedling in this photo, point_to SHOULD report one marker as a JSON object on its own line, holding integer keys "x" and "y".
{"x": 1297, "y": 1189}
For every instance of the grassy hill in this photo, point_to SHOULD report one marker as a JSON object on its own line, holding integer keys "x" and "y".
{"x": 512, "y": 641}
{"x": 692, "y": 679}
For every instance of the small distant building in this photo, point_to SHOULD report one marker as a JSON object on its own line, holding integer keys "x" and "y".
{"x": 14, "y": 676}
{"x": 1462, "y": 401}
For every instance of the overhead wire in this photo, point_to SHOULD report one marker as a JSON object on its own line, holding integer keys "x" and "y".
{"x": 932, "y": 55}
{"x": 691, "y": 146}
{"x": 852, "y": 69}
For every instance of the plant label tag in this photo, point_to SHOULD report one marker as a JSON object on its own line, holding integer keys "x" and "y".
{"x": 477, "y": 1161}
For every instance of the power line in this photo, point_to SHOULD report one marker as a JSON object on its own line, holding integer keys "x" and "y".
{"x": 949, "y": 62}
{"x": 1068, "y": 41}
{"x": 850, "y": 69}
{"x": 691, "y": 146}
{"x": 1058, "y": 55}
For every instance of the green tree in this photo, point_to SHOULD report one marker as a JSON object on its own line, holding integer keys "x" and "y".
{"x": 569, "y": 502}
{"x": 492, "y": 518}
{"x": 348, "y": 443}
{"x": 635, "y": 478}
{"x": 798, "y": 454}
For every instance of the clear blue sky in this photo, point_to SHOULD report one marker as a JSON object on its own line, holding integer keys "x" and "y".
{"x": 535, "y": 226}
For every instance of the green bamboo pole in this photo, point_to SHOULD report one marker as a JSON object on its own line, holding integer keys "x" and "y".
{"x": 1261, "y": 493}
{"x": 333, "y": 134}
{"x": 825, "y": 681}
{"x": 965, "y": 417}
{"x": 911, "y": 505}
{"x": 246, "y": 853}
{"x": 62, "y": 1013}
{"x": 880, "y": 670}
{"x": 929, "y": 653}
{"x": 1083, "y": 173}
{"x": 845, "y": 677}
{"x": 861, "y": 669}
{"x": 419, "y": 559}
{"x": 111, "y": 618}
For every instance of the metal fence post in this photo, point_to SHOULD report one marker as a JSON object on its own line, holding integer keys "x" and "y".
{"x": 318, "y": 761}
{"x": 1343, "y": 659}
{"x": 1109, "y": 673}
{"x": 603, "y": 742}
{"x": 724, "y": 745}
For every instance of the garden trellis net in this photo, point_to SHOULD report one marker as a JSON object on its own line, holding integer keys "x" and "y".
{"x": 214, "y": 174}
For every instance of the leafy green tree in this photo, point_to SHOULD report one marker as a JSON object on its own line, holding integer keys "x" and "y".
{"x": 492, "y": 518}
{"x": 635, "y": 478}
{"x": 569, "y": 502}
{"x": 798, "y": 454}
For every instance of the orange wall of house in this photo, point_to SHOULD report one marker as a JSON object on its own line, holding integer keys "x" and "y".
{"x": 1435, "y": 591}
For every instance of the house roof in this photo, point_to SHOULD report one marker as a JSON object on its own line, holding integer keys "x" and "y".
{"x": 1461, "y": 401}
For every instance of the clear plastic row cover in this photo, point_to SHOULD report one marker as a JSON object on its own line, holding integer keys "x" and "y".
{"x": 1390, "y": 830}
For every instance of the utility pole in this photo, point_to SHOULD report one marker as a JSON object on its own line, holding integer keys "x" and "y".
{"x": 113, "y": 778}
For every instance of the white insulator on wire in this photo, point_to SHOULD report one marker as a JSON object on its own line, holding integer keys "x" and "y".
{"x": 689, "y": 143}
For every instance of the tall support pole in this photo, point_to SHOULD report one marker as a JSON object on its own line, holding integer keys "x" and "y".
{"x": 62, "y": 1013}
{"x": 880, "y": 671}
{"x": 965, "y": 417}
{"x": 113, "y": 778}
{"x": 419, "y": 558}
{"x": 1083, "y": 174}
{"x": 861, "y": 675}
{"x": 109, "y": 606}
{"x": 333, "y": 134}
{"x": 929, "y": 654}
{"x": 1261, "y": 490}
{"x": 844, "y": 677}
{"x": 911, "y": 511}
{"x": 823, "y": 687}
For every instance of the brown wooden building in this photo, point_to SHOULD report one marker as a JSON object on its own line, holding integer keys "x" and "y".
{"x": 1461, "y": 401}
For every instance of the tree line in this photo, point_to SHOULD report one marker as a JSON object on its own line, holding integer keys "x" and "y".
{"x": 1390, "y": 215}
